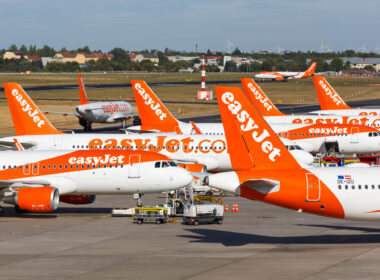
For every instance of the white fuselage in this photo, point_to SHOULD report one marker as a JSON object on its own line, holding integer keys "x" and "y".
{"x": 105, "y": 112}
{"x": 349, "y": 112}
{"x": 70, "y": 176}
{"x": 361, "y": 143}
{"x": 285, "y": 75}
{"x": 209, "y": 150}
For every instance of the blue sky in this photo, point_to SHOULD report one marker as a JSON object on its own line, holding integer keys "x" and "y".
{"x": 180, "y": 24}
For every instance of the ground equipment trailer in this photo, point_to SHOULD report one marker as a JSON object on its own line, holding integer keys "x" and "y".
{"x": 156, "y": 215}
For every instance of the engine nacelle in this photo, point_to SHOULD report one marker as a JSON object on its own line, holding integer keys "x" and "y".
{"x": 77, "y": 199}
{"x": 39, "y": 199}
{"x": 194, "y": 167}
{"x": 278, "y": 79}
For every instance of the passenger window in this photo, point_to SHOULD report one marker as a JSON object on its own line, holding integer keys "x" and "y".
{"x": 339, "y": 187}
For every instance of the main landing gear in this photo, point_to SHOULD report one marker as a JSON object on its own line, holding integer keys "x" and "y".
{"x": 138, "y": 197}
{"x": 86, "y": 124}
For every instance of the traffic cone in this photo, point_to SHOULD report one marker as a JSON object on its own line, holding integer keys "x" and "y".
{"x": 233, "y": 208}
{"x": 226, "y": 209}
{"x": 236, "y": 208}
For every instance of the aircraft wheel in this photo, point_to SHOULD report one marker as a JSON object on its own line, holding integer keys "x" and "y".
{"x": 19, "y": 210}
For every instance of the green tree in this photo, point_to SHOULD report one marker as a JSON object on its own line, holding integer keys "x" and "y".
{"x": 369, "y": 68}
{"x": 13, "y": 48}
{"x": 336, "y": 64}
{"x": 85, "y": 49}
{"x": 236, "y": 51}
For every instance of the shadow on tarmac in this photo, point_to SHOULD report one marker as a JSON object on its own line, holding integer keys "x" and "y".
{"x": 229, "y": 238}
{"x": 10, "y": 212}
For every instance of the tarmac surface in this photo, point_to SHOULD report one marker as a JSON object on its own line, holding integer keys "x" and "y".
{"x": 259, "y": 242}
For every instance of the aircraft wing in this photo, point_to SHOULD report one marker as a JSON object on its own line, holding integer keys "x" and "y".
{"x": 64, "y": 108}
{"x": 12, "y": 145}
{"x": 61, "y": 112}
{"x": 125, "y": 117}
{"x": 6, "y": 184}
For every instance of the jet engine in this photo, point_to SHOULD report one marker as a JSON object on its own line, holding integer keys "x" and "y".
{"x": 38, "y": 199}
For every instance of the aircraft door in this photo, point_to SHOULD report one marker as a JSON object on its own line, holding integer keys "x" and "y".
{"x": 134, "y": 166}
{"x": 313, "y": 187}
{"x": 35, "y": 168}
{"x": 354, "y": 136}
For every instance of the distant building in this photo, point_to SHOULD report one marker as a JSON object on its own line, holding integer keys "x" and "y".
{"x": 33, "y": 58}
{"x": 176, "y": 58}
{"x": 145, "y": 56}
{"x": 361, "y": 62}
{"x": 46, "y": 60}
{"x": 81, "y": 58}
{"x": 14, "y": 55}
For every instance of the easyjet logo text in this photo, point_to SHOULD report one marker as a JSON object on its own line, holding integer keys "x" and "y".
{"x": 106, "y": 159}
{"x": 115, "y": 108}
{"x": 150, "y": 102}
{"x": 160, "y": 144}
{"x": 260, "y": 97}
{"x": 334, "y": 96}
{"x": 373, "y": 122}
{"x": 26, "y": 107}
{"x": 248, "y": 124}
{"x": 333, "y": 130}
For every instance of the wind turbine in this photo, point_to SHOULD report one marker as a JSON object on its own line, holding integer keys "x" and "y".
{"x": 362, "y": 49}
{"x": 324, "y": 48}
{"x": 229, "y": 45}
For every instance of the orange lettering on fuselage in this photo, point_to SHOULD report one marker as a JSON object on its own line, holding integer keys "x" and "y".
{"x": 159, "y": 143}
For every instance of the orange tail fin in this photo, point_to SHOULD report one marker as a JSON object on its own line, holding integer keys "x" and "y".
{"x": 153, "y": 114}
{"x": 327, "y": 96}
{"x": 82, "y": 91}
{"x": 259, "y": 98}
{"x": 27, "y": 118}
{"x": 310, "y": 71}
{"x": 251, "y": 141}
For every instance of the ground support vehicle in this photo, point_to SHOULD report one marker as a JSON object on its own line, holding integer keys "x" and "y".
{"x": 156, "y": 215}
{"x": 197, "y": 213}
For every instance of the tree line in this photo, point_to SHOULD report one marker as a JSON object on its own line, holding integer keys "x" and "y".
{"x": 121, "y": 61}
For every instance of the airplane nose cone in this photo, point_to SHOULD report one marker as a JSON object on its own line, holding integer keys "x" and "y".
{"x": 186, "y": 178}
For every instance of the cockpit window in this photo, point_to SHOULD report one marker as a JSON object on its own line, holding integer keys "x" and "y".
{"x": 165, "y": 164}
{"x": 157, "y": 164}
{"x": 172, "y": 163}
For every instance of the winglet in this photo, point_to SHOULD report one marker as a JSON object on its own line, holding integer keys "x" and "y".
{"x": 328, "y": 98}
{"x": 18, "y": 145}
{"x": 82, "y": 91}
{"x": 196, "y": 129}
{"x": 310, "y": 71}
{"x": 153, "y": 114}
{"x": 259, "y": 98}
{"x": 252, "y": 144}
{"x": 27, "y": 118}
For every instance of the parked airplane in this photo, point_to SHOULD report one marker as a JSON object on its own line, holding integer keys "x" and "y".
{"x": 343, "y": 138}
{"x": 332, "y": 104}
{"x": 35, "y": 132}
{"x": 98, "y": 112}
{"x": 272, "y": 115}
{"x": 284, "y": 76}
{"x": 267, "y": 172}
{"x": 36, "y": 180}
